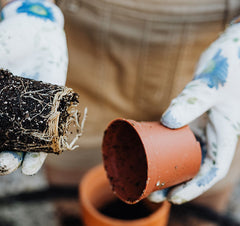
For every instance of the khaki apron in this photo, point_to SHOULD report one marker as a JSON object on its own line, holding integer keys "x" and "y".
{"x": 129, "y": 58}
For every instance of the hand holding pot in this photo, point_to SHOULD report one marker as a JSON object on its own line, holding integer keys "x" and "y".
{"x": 142, "y": 157}
{"x": 32, "y": 45}
{"x": 214, "y": 91}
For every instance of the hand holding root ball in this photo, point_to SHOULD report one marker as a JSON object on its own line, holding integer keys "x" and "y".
{"x": 36, "y": 116}
{"x": 32, "y": 45}
{"x": 215, "y": 92}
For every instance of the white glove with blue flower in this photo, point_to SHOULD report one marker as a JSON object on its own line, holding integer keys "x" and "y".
{"x": 214, "y": 91}
{"x": 32, "y": 45}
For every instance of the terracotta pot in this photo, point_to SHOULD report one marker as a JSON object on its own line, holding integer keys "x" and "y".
{"x": 95, "y": 194}
{"x": 141, "y": 157}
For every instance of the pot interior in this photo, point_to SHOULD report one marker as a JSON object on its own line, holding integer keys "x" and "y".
{"x": 125, "y": 160}
{"x": 118, "y": 209}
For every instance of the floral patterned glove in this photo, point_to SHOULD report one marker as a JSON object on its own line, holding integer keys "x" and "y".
{"x": 32, "y": 45}
{"x": 214, "y": 91}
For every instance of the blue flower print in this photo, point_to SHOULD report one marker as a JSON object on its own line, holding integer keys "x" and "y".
{"x": 34, "y": 76}
{"x": 208, "y": 177}
{"x": 1, "y": 16}
{"x": 170, "y": 121}
{"x": 37, "y": 9}
{"x": 16, "y": 154}
{"x": 162, "y": 193}
{"x": 216, "y": 71}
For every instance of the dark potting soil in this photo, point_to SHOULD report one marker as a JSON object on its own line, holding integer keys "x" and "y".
{"x": 120, "y": 210}
{"x": 33, "y": 115}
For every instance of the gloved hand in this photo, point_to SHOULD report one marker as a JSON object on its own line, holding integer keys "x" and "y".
{"x": 215, "y": 91}
{"x": 32, "y": 45}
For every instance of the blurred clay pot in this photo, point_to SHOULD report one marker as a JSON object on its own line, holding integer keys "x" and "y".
{"x": 141, "y": 157}
{"x": 97, "y": 201}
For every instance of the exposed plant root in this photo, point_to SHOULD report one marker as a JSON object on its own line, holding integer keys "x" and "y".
{"x": 37, "y": 116}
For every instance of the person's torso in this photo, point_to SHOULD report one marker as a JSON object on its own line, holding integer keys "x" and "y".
{"x": 129, "y": 58}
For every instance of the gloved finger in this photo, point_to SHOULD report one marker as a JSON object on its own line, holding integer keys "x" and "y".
{"x": 158, "y": 196}
{"x": 10, "y": 161}
{"x": 222, "y": 141}
{"x": 195, "y": 99}
{"x": 33, "y": 162}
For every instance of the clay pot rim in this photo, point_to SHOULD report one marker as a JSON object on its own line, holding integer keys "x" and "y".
{"x": 97, "y": 169}
{"x": 130, "y": 123}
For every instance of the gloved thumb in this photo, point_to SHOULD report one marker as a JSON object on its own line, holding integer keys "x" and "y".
{"x": 193, "y": 101}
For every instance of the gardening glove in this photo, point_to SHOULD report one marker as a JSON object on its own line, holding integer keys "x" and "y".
{"x": 32, "y": 45}
{"x": 210, "y": 103}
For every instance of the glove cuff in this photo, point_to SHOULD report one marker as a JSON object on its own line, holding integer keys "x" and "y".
{"x": 40, "y": 9}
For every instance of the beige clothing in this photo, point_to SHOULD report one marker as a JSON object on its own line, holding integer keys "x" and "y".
{"x": 129, "y": 58}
